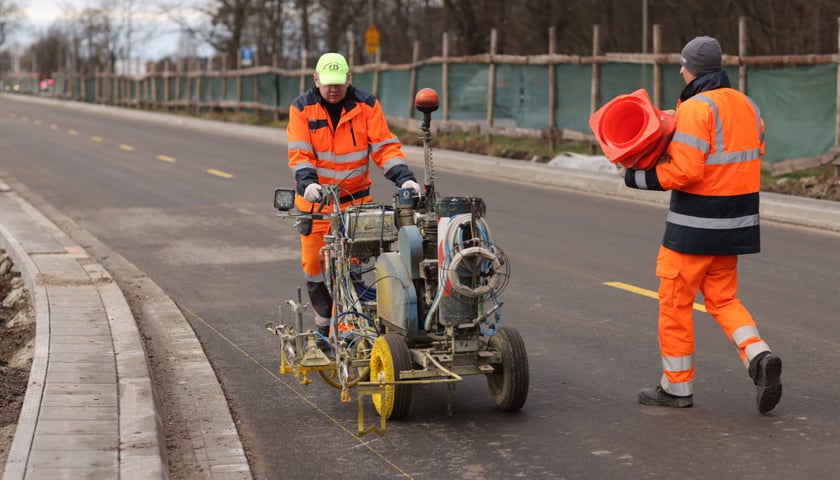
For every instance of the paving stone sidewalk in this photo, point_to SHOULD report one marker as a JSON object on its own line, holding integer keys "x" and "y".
{"x": 89, "y": 410}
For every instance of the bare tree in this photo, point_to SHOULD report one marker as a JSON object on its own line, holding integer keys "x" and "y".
{"x": 287, "y": 28}
{"x": 218, "y": 23}
{"x": 270, "y": 17}
{"x": 10, "y": 18}
{"x": 48, "y": 51}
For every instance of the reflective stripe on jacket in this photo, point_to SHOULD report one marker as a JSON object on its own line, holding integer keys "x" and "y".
{"x": 319, "y": 153}
{"x": 714, "y": 173}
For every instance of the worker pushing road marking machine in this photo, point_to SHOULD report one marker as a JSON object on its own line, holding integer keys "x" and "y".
{"x": 415, "y": 289}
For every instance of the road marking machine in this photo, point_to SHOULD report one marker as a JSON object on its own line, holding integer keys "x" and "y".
{"x": 415, "y": 289}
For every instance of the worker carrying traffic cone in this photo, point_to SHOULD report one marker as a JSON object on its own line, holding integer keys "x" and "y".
{"x": 713, "y": 173}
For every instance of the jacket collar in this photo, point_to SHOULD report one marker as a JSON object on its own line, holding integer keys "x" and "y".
{"x": 704, "y": 83}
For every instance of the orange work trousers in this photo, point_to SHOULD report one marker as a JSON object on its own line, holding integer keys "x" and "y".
{"x": 681, "y": 276}
{"x": 310, "y": 248}
{"x": 310, "y": 262}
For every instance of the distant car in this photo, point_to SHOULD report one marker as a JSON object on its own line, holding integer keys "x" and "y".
{"x": 46, "y": 86}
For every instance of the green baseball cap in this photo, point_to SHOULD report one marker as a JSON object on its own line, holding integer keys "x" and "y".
{"x": 332, "y": 69}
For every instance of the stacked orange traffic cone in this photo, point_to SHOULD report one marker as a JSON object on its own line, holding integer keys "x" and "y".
{"x": 631, "y": 131}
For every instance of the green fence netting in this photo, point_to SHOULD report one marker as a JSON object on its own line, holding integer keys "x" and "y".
{"x": 799, "y": 104}
{"x": 395, "y": 93}
{"x": 267, "y": 88}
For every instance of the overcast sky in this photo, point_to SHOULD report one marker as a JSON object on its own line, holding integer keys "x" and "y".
{"x": 41, "y": 14}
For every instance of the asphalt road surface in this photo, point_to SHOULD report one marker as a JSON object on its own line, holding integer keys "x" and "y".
{"x": 193, "y": 211}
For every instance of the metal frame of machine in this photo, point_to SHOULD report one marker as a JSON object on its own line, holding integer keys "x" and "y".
{"x": 435, "y": 316}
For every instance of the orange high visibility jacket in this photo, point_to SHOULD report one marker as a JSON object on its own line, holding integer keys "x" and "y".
{"x": 714, "y": 174}
{"x": 320, "y": 152}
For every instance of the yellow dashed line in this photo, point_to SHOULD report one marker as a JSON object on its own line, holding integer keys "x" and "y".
{"x": 53, "y": 127}
{"x": 127, "y": 148}
{"x": 97, "y": 139}
{"x": 24, "y": 118}
{"x": 37, "y": 122}
{"x": 646, "y": 293}
{"x": 73, "y": 132}
{"x": 166, "y": 158}
{"x": 219, "y": 173}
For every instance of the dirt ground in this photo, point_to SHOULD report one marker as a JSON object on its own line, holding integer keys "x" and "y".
{"x": 17, "y": 336}
{"x": 824, "y": 186}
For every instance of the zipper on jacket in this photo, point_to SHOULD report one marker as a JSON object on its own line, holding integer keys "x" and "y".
{"x": 352, "y": 133}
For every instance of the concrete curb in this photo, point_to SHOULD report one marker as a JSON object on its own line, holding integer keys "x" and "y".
{"x": 25, "y": 430}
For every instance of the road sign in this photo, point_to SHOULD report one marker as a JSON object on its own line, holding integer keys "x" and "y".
{"x": 246, "y": 55}
{"x": 372, "y": 39}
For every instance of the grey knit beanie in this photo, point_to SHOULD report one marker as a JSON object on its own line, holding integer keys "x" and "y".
{"x": 701, "y": 55}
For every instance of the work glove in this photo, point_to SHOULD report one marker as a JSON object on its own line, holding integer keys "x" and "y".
{"x": 312, "y": 192}
{"x": 412, "y": 185}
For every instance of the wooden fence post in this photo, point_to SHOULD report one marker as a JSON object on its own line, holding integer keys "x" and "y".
{"x": 412, "y": 86}
{"x": 275, "y": 94}
{"x": 552, "y": 93}
{"x": 302, "y": 88}
{"x": 742, "y": 52}
{"x": 491, "y": 80}
{"x": 445, "y": 79}
{"x": 657, "y": 67}
{"x": 153, "y": 86}
{"x": 377, "y": 58}
{"x": 257, "y": 100}
{"x": 596, "y": 77}
{"x": 166, "y": 84}
{"x": 837, "y": 103}
{"x": 238, "y": 82}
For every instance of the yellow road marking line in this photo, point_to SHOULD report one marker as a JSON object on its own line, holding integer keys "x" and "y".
{"x": 697, "y": 306}
{"x": 166, "y": 158}
{"x": 73, "y": 132}
{"x": 24, "y": 118}
{"x": 53, "y": 127}
{"x": 305, "y": 399}
{"x": 645, "y": 293}
{"x": 97, "y": 139}
{"x": 219, "y": 173}
{"x": 37, "y": 122}
{"x": 127, "y": 148}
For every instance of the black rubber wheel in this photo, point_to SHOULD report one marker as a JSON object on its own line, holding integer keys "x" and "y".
{"x": 509, "y": 381}
{"x": 389, "y": 357}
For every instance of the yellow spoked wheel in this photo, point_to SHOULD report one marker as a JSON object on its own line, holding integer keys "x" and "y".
{"x": 344, "y": 365}
{"x": 389, "y": 357}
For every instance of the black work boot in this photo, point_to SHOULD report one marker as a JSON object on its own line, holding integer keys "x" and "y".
{"x": 323, "y": 340}
{"x": 660, "y": 398}
{"x": 766, "y": 372}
